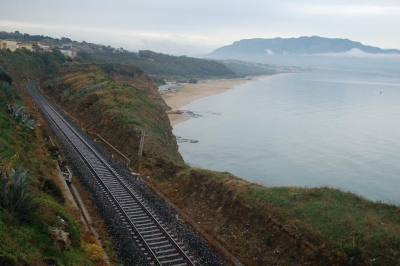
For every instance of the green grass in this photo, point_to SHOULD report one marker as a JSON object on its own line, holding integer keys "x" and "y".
{"x": 343, "y": 220}
{"x": 28, "y": 241}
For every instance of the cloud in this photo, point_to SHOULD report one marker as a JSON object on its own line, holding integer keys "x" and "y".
{"x": 348, "y": 10}
{"x": 269, "y": 52}
{"x": 357, "y": 53}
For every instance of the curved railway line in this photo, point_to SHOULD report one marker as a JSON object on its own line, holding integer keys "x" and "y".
{"x": 159, "y": 246}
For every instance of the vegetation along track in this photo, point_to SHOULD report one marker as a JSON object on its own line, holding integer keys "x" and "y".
{"x": 158, "y": 245}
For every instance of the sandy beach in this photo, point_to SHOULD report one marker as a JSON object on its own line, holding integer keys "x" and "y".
{"x": 190, "y": 92}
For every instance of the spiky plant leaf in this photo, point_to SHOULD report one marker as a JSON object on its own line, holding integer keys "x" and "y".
{"x": 18, "y": 112}
{"x": 15, "y": 195}
{"x": 29, "y": 123}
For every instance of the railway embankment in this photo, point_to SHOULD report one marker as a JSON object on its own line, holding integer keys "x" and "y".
{"x": 258, "y": 225}
{"x": 44, "y": 227}
{"x": 142, "y": 228}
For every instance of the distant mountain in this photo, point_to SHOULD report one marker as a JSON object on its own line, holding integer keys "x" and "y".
{"x": 313, "y": 52}
{"x": 294, "y": 46}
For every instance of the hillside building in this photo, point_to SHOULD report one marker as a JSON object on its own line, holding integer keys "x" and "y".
{"x": 44, "y": 47}
{"x": 8, "y": 45}
{"x": 70, "y": 53}
{"x": 27, "y": 46}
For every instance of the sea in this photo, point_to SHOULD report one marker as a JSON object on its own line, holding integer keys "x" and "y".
{"x": 306, "y": 130}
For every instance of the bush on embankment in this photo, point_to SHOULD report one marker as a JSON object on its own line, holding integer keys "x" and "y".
{"x": 288, "y": 225}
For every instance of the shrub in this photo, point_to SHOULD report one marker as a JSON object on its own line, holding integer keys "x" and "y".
{"x": 352, "y": 252}
{"x": 15, "y": 195}
{"x": 52, "y": 188}
{"x": 57, "y": 81}
{"x": 1, "y": 156}
{"x": 7, "y": 259}
{"x": 6, "y": 88}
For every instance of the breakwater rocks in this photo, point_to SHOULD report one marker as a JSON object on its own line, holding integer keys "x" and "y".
{"x": 191, "y": 114}
{"x": 174, "y": 112}
{"x": 183, "y": 140}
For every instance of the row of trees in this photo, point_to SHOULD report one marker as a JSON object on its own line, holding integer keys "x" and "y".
{"x": 30, "y": 38}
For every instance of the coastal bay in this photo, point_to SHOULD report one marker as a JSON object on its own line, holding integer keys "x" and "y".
{"x": 306, "y": 130}
{"x": 187, "y": 93}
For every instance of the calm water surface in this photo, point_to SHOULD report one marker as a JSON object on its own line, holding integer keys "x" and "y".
{"x": 308, "y": 130}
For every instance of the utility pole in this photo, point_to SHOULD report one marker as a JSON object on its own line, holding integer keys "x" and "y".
{"x": 140, "y": 150}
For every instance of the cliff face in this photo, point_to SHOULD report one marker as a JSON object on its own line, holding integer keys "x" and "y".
{"x": 118, "y": 111}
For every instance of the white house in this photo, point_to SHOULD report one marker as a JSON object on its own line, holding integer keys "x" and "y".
{"x": 44, "y": 47}
{"x": 70, "y": 53}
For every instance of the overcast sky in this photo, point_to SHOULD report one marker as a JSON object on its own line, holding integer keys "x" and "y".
{"x": 200, "y": 26}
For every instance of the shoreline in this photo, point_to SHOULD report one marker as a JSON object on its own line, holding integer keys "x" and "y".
{"x": 190, "y": 92}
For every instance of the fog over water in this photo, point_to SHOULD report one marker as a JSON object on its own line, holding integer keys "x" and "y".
{"x": 310, "y": 130}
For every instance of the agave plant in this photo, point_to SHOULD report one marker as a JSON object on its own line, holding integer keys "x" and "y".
{"x": 15, "y": 195}
{"x": 28, "y": 123}
{"x": 18, "y": 112}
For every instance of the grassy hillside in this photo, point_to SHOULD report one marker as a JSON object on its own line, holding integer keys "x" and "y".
{"x": 166, "y": 65}
{"x": 243, "y": 68}
{"x": 93, "y": 95}
{"x": 23, "y": 65}
{"x": 287, "y": 225}
{"x": 26, "y": 226}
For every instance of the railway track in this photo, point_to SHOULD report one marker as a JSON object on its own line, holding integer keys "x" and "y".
{"x": 158, "y": 245}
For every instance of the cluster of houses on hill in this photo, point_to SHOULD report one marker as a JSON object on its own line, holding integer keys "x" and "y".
{"x": 66, "y": 50}
{"x": 15, "y": 45}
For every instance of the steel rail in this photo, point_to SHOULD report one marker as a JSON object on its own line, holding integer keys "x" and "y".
{"x": 44, "y": 103}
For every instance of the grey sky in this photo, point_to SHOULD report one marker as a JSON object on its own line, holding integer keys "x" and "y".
{"x": 195, "y": 27}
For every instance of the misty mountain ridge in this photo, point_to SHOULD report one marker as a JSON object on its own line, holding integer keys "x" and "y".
{"x": 298, "y": 46}
{"x": 314, "y": 52}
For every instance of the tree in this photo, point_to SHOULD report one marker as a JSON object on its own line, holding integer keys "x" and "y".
{"x": 5, "y": 77}
{"x": 63, "y": 39}
{"x": 84, "y": 56}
